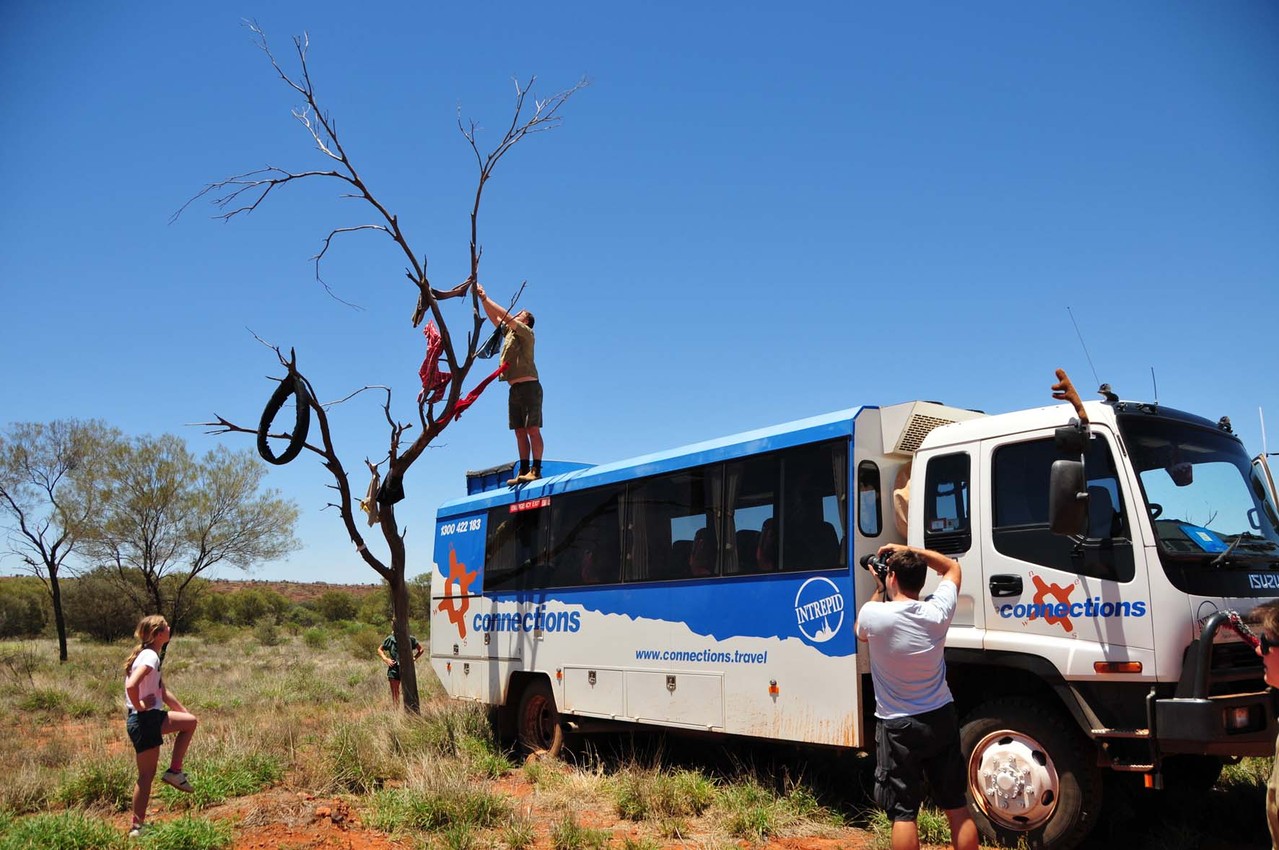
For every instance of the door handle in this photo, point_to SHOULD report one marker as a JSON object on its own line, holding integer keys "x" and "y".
{"x": 1005, "y": 585}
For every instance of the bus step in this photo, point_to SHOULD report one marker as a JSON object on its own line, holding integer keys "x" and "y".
{"x": 1121, "y": 733}
{"x": 1132, "y": 768}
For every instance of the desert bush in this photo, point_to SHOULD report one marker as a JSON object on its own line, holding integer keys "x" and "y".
{"x": 249, "y": 605}
{"x": 70, "y": 830}
{"x": 356, "y": 758}
{"x": 233, "y": 772}
{"x": 375, "y": 609}
{"x": 25, "y": 790}
{"x": 568, "y": 834}
{"x": 56, "y": 701}
{"x": 266, "y": 632}
{"x": 750, "y": 811}
{"x": 301, "y": 616}
{"x": 641, "y": 795}
{"x": 315, "y": 638}
{"x": 19, "y": 662}
{"x": 335, "y": 605}
{"x": 218, "y": 633}
{"x": 363, "y": 640}
{"x": 95, "y": 605}
{"x": 98, "y": 781}
{"x": 188, "y": 833}
{"x": 437, "y": 807}
{"x": 22, "y": 608}
{"x": 518, "y": 833}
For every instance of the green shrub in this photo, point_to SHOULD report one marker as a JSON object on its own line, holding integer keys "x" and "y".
{"x": 656, "y": 794}
{"x": 22, "y": 608}
{"x": 218, "y": 633}
{"x": 303, "y": 617}
{"x": 518, "y": 833}
{"x": 568, "y": 834}
{"x": 233, "y": 773}
{"x": 25, "y": 790}
{"x": 354, "y": 762}
{"x": 188, "y": 833}
{"x": 266, "y": 631}
{"x": 94, "y": 604}
{"x": 69, "y": 830}
{"x": 334, "y": 605}
{"x": 56, "y": 701}
{"x": 99, "y": 781}
{"x": 315, "y": 638}
{"x": 363, "y": 640}
{"x": 435, "y": 809}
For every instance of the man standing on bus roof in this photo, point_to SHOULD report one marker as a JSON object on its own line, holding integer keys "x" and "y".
{"x": 916, "y": 728}
{"x": 525, "y": 404}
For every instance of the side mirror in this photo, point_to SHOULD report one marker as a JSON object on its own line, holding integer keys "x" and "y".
{"x": 1067, "y": 498}
{"x": 1071, "y": 440}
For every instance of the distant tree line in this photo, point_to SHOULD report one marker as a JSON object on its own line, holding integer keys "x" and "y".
{"x": 94, "y": 608}
{"x": 139, "y": 519}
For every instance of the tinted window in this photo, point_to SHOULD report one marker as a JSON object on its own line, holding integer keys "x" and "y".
{"x": 672, "y": 527}
{"x": 515, "y": 547}
{"x": 585, "y": 538}
{"x": 1020, "y": 474}
{"x": 814, "y": 507}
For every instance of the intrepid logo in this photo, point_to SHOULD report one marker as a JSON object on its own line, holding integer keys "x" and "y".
{"x": 819, "y": 609}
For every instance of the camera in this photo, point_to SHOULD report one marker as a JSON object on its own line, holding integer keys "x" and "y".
{"x": 877, "y": 565}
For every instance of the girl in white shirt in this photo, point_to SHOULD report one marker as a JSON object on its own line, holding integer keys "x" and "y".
{"x": 147, "y": 722}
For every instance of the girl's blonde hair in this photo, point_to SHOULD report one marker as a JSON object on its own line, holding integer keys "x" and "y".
{"x": 146, "y": 631}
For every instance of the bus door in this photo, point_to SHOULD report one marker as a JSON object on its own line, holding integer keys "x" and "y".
{"x": 1051, "y": 586}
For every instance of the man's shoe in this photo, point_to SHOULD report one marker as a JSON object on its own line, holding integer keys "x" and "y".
{"x": 531, "y": 475}
{"x": 139, "y": 829}
{"x": 512, "y": 482}
{"x": 178, "y": 779}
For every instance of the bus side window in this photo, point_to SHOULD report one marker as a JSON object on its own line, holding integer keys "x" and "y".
{"x": 870, "y": 512}
{"x": 672, "y": 528}
{"x": 752, "y": 489}
{"x": 585, "y": 538}
{"x": 814, "y": 506}
{"x": 514, "y": 550}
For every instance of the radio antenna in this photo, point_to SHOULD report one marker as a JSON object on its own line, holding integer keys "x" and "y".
{"x": 1084, "y": 346}
{"x": 1154, "y": 385}
{"x": 1262, "y": 416}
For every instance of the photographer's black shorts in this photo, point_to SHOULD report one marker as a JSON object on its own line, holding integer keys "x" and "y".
{"x": 144, "y": 728}
{"x": 910, "y": 750}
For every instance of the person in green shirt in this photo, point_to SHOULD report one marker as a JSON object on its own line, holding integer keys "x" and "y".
{"x": 390, "y": 655}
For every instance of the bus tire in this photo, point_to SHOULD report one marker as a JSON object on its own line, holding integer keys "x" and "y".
{"x": 537, "y": 724}
{"x": 1032, "y": 775}
{"x": 295, "y": 386}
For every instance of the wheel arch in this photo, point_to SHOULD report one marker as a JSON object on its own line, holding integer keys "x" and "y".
{"x": 978, "y": 676}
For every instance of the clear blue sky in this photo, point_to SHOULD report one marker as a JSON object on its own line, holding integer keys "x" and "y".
{"x": 754, "y": 213}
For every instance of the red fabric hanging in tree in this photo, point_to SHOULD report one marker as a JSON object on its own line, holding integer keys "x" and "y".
{"x": 435, "y": 380}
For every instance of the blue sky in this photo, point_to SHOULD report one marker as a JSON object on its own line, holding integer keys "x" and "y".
{"x": 751, "y": 215}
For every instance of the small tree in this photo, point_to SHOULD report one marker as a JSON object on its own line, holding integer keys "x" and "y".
{"x": 169, "y": 517}
{"x": 435, "y": 410}
{"x": 38, "y": 462}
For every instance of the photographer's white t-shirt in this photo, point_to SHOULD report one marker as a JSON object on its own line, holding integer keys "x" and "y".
{"x": 907, "y": 664}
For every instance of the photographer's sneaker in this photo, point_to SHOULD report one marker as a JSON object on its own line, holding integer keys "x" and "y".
{"x": 139, "y": 829}
{"x": 178, "y": 779}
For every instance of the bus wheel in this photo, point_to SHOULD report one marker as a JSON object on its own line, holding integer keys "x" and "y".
{"x": 1030, "y": 776}
{"x": 538, "y": 724}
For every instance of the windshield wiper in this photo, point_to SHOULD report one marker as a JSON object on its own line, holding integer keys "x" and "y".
{"x": 1221, "y": 559}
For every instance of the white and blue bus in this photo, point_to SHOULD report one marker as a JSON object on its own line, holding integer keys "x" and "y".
{"x": 714, "y": 588}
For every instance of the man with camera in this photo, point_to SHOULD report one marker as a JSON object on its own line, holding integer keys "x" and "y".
{"x": 916, "y": 728}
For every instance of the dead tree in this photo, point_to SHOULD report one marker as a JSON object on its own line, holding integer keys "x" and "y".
{"x": 243, "y": 193}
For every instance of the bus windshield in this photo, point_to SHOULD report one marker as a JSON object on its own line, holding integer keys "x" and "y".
{"x": 1201, "y": 490}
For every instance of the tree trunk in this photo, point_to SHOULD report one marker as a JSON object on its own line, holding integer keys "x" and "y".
{"x": 400, "y": 628}
{"x": 56, "y": 592}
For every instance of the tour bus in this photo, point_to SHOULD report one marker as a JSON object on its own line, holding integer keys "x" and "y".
{"x": 715, "y": 587}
